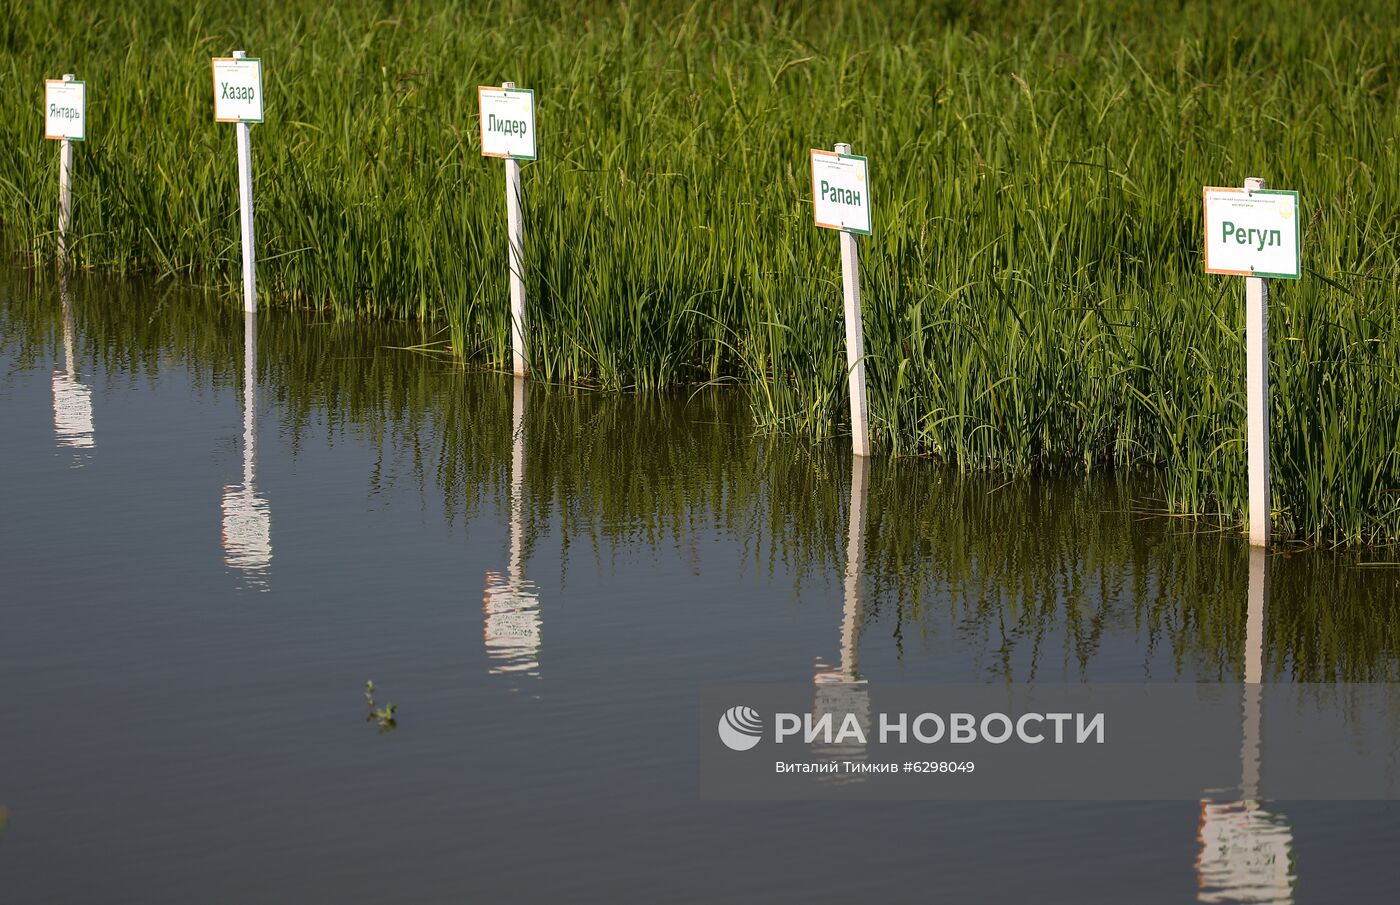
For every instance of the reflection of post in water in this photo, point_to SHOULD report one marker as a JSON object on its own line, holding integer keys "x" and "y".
{"x": 840, "y": 690}
{"x": 1253, "y": 671}
{"x": 511, "y": 604}
{"x": 247, "y": 535}
{"x": 1245, "y": 850}
{"x": 72, "y": 401}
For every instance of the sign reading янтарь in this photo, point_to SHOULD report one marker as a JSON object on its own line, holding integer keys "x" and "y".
{"x": 65, "y": 110}
{"x": 238, "y": 90}
{"x": 507, "y": 122}
{"x": 840, "y": 192}
{"x": 1252, "y": 233}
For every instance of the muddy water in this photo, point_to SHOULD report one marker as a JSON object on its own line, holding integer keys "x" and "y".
{"x": 207, "y": 547}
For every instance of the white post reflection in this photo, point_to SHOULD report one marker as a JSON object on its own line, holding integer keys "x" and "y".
{"x": 72, "y": 401}
{"x": 1245, "y": 850}
{"x": 840, "y": 690}
{"x": 511, "y": 605}
{"x": 247, "y": 534}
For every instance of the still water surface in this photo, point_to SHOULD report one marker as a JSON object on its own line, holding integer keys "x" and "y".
{"x": 206, "y": 553}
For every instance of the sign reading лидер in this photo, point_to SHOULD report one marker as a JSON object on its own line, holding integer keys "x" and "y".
{"x": 1252, "y": 233}
{"x": 238, "y": 90}
{"x": 507, "y": 122}
{"x": 65, "y": 110}
{"x": 840, "y": 192}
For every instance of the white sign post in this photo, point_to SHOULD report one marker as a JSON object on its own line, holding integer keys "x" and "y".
{"x": 65, "y": 119}
{"x": 1253, "y": 232}
{"x": 238, "y": 98}
{"x": 841, "y": 201}
{"x": 508, "y": 131}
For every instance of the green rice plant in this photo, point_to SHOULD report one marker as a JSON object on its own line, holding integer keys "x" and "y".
{"x": 1033, "y": 290}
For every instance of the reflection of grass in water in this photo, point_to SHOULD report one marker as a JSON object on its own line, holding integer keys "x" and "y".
{"x": 1035, "y": 575}
{"x": 1012, "y": 569}
{"x": 4, "y": 819}
{"x": 1033, "y": 290}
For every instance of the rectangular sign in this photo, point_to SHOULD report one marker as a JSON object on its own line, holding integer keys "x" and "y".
{"x": 65, "y": 110}
{"x": 840, "y": 192}
{"x": 1252, "y": 233}
{"x": 507, "y": 122}
{"x": 238, "y": 90}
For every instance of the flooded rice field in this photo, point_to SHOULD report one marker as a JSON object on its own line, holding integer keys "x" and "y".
{"x": 210, "y": 546}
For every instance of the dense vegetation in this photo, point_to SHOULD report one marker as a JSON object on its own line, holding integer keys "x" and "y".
{"x": 1034, "y": 291}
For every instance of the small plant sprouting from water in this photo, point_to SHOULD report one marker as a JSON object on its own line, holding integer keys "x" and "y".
{"x": 384, "y": 717}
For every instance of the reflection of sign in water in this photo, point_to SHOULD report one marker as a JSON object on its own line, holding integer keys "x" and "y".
{"x": 512, "y": 626}
{"x": 840, "y": 690}
{"x": 1246, "y": 851}
{"x": 1245, "y": 854}
{"x": 72, "y": 401}
{"x": 72, "y": 412}
{"x": 511, "y": 604}
{"x": 247, "y": 534}
{"x": 839, "y": 694}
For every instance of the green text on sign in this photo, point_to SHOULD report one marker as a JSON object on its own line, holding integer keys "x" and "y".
{"x": 238, "y": 90}
{"x": 1252, "y": 233}
{"x": 840, "y": 192}
{"x": 65, "y": 110}
{"x": 507, "y": 122}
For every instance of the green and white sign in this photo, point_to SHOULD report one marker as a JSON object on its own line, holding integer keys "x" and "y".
{"x": 507, "y": 122}
{"x": 65, "y": 110}
{"x": 1252, "y": 233}
{"x": 840, "y": 192}
{"x": 238, "y": 90}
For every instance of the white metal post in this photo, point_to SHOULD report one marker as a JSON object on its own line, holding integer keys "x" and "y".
{"x": 65, "y": 188}
{"x": 1257, "y": 395}
{"x": 515, "y": 235}
{"x": 855, "y": 337}
{"x": 245, "y": 209}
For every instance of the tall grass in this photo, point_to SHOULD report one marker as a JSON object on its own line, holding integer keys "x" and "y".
{"x": 1033, "y": 289}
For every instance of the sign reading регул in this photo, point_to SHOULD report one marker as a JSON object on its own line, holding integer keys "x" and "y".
{"x": 840, "y": 192}
{"x": 1252, "y": 233}
{"x": 238, "y": 90}
{"x": 65, "y": 110}
{"x": 507, "y": 122}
